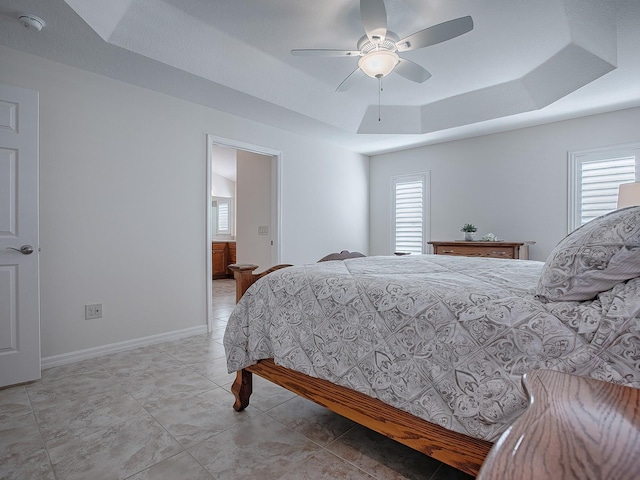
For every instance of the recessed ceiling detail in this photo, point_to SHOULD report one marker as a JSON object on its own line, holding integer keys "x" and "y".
{"x": 570, "y": 68}
{"x": 523, "y": 63}
{"x": 580, "y": 48}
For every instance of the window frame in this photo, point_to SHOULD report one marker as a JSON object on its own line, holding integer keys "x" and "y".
{"x": 425, "y": 178}
{"x": 577, "y": 158}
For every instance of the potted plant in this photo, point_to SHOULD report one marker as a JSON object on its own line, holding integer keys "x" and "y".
{"x": 469, "y": 230}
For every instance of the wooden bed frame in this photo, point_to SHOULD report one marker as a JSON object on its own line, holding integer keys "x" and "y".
{"x": 460, "y": 451}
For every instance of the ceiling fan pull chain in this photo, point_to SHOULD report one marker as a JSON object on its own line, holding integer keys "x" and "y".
{"x": 379, "y": 95}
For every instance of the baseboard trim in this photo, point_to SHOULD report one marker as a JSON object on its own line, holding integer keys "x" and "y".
{"x": 72, "y": 357}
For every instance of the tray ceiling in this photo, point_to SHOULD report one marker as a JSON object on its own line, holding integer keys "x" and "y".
{"x": 523, "y": 63}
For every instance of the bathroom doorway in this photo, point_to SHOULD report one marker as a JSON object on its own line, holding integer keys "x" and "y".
{"x": 243, "y": 211}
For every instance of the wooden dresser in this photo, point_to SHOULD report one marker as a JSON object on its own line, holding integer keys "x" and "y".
{"x": 223, "y": 254}
{"x": 516, "y": 250}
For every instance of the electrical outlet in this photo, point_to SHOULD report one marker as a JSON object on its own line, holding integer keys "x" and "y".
{"x": 93, "y": 311}
{"x": 263, "y": 230}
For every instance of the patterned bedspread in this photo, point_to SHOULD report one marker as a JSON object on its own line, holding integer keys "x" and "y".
{"x": 444, "y": 338}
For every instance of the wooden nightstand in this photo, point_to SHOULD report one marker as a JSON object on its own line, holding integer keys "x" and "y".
{"x": 575, "y": 428}
{"x": 483, "y": 249}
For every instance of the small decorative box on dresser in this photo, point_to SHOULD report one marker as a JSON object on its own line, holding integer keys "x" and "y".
{"x": 515, "y": 250}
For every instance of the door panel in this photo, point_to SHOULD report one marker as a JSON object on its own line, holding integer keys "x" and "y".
{"x": 19, "y": 289}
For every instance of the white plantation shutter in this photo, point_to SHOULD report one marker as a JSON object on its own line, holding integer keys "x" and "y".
{"x": 595, "y": 177}
{"x": 409, "y": 201}
{"x": 599, "y": 182}
{"x": 223, "y": 217}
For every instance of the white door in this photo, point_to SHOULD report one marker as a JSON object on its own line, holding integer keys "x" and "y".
{"x": 19, "y": 293}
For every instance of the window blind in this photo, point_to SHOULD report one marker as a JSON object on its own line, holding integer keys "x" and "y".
{"x": 599, "y": 182}
{"x": 409, "y": 201}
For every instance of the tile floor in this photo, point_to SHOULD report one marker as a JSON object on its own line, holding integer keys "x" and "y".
{"x": 164, "y": 412}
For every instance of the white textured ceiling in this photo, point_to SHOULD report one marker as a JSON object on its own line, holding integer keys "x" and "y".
{"x": 524, "y": 62}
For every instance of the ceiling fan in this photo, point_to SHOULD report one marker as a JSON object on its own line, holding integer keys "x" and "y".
{"x": 378, "y": 49}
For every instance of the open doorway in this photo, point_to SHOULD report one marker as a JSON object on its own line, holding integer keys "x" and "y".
{"x": 243, "y": 215}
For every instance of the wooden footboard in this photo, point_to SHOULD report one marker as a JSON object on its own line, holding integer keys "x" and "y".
{"x": 460, "y": 451}
{"x": 244, "y": 276}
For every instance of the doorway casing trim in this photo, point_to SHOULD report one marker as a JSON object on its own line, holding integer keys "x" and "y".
{"x": 276, "y": 159}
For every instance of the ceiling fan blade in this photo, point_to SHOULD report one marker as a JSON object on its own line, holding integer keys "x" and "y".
{"x": 353, "y": 77}
{"x": 374, "y": 19}
{"x": 324, "y": 52}
{"x": 412, "y": 71}
{"x": 436, "y": 34}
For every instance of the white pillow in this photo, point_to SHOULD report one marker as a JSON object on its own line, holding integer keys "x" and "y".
{"x": 593, "y": 258}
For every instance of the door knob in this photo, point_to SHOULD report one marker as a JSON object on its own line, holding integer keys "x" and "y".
{"x": 25, "y": 249}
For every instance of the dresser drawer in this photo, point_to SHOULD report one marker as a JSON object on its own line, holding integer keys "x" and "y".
{"x": 510, "y": 250}
{"x": 473, "y": 251}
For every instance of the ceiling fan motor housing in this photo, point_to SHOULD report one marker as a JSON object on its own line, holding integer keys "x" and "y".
{"x": 387, "y": 43}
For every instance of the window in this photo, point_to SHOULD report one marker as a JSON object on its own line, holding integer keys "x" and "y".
{"x": 594, "y": 178}
{"x": 224, "y": 226}
{"x": 409, "y": 213}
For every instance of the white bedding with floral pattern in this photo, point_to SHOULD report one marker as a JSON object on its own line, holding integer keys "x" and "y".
{"x": 444, "y": 338}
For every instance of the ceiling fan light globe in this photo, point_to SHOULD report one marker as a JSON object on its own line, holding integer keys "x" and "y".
{"x": 378, "y": 63}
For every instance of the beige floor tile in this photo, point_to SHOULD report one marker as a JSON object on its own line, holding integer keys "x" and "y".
{"x": 260, "y": 449}
{"x": 216, "y": 371}
{"x": 179, "y": 467}
{"x": 91, "y": 365}
{"x": 219, "y": 323}
{"x": 267, "y": 395}
{"x": 197, "y": 353}
{"x": 381, "y": 457}
{"x": 22, "y": 451}
{"x": 116, "y": 452}
{"x": 191, "y": 419}
{"x": 140, "y": 360}
{"x": 218, "y": 333}
{"x": 14, "y": 401}
{"x": 48, "y": 392}
{"x": 34, "y": 465}
{"x": 152, "y": 385}
{"x": 81, "y": 417}
{"x": 221, "y": 311}
{"x": 313, "y": 421}
{"x": 325, "y": 466}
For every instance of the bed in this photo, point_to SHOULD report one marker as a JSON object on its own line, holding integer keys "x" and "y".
{"x": 430, "y": 350}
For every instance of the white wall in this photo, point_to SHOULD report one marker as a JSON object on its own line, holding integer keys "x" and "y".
{"x": 324, "y": 190}
{"x": 221, "y": 186}
{"x": 513, "y": 184}
{"x": 122, "y": 202}
{"x": 253, "y": 209}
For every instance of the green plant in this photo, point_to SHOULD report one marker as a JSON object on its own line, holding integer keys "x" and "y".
{"x": 468, "y": 227}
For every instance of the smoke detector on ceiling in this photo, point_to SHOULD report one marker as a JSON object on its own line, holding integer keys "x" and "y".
{"x": 31, "y": 21}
